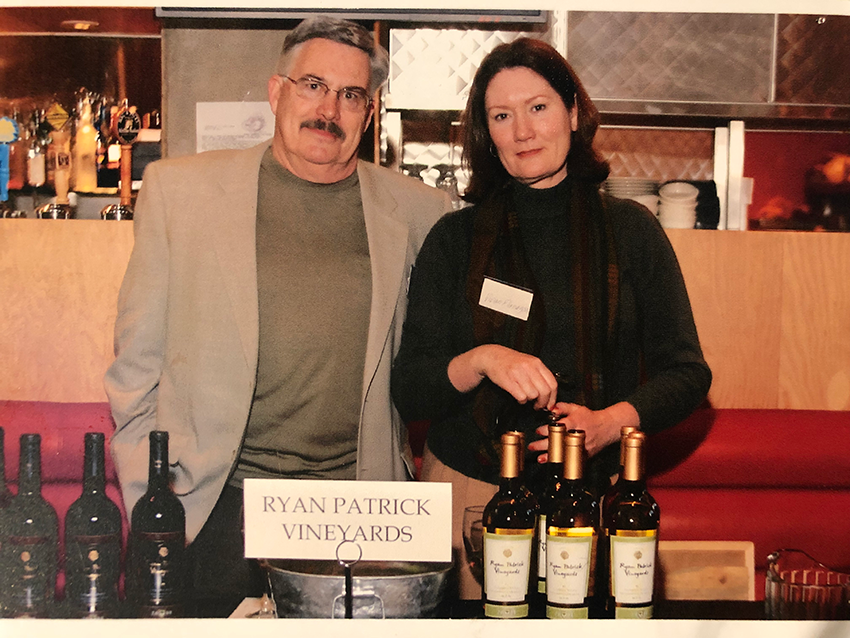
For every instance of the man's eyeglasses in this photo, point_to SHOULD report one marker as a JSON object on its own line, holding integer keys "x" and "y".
{"x": 351, "y": 98}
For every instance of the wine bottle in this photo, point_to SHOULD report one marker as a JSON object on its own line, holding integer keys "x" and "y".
{"x": 571, "y": 538}
{"x": 509, "y": 519}
{"x": 614, "y": 490}
{"x": 156, "y": 575}
{"x": 5, "y": 494}
{"x": 29, "y": 542}
{"x": 92, "y": 541}
{"x": 630, "y": 527}
{"x": 553, "y": 476}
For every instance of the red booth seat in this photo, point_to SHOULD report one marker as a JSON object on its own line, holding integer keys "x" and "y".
{"x": 778, "y": 478}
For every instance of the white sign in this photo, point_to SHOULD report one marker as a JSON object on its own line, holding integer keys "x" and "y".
{"x": 223, "y": 125}
{"x": 504, "y": 298}
{"x": 387, "y": 520}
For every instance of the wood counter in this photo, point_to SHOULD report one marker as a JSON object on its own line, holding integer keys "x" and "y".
{"x": 772, "y": 310}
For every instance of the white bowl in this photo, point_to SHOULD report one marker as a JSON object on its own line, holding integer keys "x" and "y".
{"x": 679, "y": 190}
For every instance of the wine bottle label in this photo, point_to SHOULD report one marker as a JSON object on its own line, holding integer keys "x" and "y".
{"x": 541, "y": 553}
{"x": 159, "y": 567}
{"x": 507, "y": 566}
{"x": 92, "y": 568}
{"x": 632, "y": 568}
{"x": 568, "y": 563}
{"x": 29, "y": 563}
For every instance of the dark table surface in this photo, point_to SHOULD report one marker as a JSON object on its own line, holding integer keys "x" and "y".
{"x": 669, "y": 609}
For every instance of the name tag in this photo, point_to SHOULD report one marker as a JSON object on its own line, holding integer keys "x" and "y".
{"x": 507, "y": 299}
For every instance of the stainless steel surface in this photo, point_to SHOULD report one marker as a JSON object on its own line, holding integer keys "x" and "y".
{"x": 315, "y": 589}
{"x": 672, "y": 56}
{"x": 55, "y": 211}
{"x": 117, "y": 212}
{"x": 433, "y": 68}
{"x": 812, "y": 60}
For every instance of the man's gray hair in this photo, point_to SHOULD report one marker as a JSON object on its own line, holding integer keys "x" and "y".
{"x": 338, "y": 30}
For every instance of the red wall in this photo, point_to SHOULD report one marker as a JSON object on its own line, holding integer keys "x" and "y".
{"x": 778, "y": 161}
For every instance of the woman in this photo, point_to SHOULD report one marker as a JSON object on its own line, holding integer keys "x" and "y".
{"x": 608, "y": 339}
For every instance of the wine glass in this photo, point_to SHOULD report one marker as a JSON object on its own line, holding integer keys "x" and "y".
{"x": 473, "y": 540}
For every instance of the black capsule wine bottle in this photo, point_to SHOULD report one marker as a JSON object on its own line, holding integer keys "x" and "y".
{"x": 157, "y": 567}
{"x": 92, "y": 541}
{"x": 571, "y": 538}
{"x": 509, "y": 520}
{"x": 29, "y": 542}
{"x": 630, "y": 527}
{"x": 553, "y": 478}
{"x": 5, "y": 494}
{"x": 612, "y": 492}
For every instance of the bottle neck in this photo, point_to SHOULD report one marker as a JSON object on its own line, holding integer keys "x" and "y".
{"x": 29, "y": 469}
{"x": 510, "y": 484}
{"x": 158, "y": 467}
{"x": 94, "y": 473}
{"x": 633, "y": 462}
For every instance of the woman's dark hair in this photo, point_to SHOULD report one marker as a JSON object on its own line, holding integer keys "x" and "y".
{"x": 479, "y": 156}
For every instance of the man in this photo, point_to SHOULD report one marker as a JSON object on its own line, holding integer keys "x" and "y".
{"x": 263, "y": 303}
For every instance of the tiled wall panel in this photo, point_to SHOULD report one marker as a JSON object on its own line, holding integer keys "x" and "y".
{"x": 813, "y": 60}
{"x": 672, "y": 56}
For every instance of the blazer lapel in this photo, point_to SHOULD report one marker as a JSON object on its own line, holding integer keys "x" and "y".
{"x": 234, "y": 231}
{"x": 388, "y": 253}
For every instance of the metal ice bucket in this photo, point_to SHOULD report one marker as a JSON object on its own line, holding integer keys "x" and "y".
{"x": 316, "y": 589}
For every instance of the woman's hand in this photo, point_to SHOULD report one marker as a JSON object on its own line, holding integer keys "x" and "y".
{"x": 601, "y": 427}
{"x": 522, "y": 375}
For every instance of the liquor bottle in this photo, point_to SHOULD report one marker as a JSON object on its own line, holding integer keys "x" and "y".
{"x": 92, "y": 541}
{"x": 571, "y": 538}
{"x": 630, "y": 529}
{"x": 37, "y": 153}
{"x": 108, "y": 149}
{"x": 29, "y": 542}
{"x": 509, "y": 519}
{"x": 5, "y": 494}
{"x": 553, "y": 477}
{"x": 84, "y": 162}
{"x": 157, "y": 571}
{"x": 18, "y": 155}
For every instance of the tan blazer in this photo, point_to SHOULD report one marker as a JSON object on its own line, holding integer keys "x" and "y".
{"x": 186, "y": 336}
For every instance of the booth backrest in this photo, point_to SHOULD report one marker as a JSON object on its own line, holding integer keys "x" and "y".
{"x": 62, "y": 427}
{"x": 778, "y": 478}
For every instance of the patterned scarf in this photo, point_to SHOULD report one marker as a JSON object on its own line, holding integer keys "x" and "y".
{"x": 497, "y": 252}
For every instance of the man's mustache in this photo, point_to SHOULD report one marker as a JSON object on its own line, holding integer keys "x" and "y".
{"x": 322, "y": 125}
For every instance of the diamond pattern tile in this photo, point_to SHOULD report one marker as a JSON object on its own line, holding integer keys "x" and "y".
{"x": 659, "y": 154}
{"x": 813, "y": 59}
{"x": 433, "y": 68}
{"x": 672, "y": 56}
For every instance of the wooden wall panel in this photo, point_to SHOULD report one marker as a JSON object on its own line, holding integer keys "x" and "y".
{"x": 815, "y": 327}
{"x": 772, "y": 310}
{"x": 734, "y": 282}
{"x": 59, "y": 283}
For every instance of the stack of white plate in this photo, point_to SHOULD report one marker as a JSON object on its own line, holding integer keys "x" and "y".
{"x": 639, "y": 189}
{"x": 677, "y": 207}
